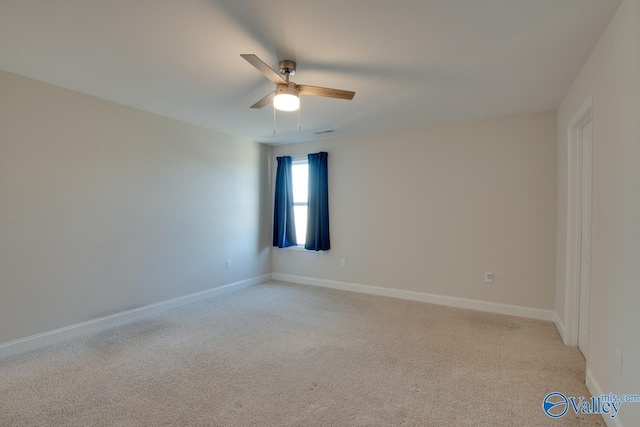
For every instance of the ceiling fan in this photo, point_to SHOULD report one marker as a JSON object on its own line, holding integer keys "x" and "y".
{"x": 286, "y": 97}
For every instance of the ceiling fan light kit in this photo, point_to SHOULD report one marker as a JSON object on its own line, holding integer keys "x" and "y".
{"x": 286, "y": 98}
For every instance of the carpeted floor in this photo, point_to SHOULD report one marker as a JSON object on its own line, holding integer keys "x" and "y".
{"x": 290, "y": 355}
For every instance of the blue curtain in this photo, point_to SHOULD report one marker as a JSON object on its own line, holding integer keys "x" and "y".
{"x": 318, "y": 213}
{"x": 284, "y": 225}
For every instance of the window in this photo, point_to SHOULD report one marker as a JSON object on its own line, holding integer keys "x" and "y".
{"x": 300, "y": 173}
{"x": 301, "y": 203}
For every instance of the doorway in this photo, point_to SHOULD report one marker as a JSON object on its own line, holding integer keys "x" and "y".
{"x": 579, "y": 237}
{"x": 585, "y": 149}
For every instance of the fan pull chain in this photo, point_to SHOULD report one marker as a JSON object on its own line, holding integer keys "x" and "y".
{"x": 274, "y": 119}
{"x": 299, "y": 108}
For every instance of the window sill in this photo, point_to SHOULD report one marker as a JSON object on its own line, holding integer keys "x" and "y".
{"x": 299, "y": 248}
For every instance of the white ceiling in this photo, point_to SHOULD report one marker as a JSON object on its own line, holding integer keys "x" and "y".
{"x": 411, "y": 62}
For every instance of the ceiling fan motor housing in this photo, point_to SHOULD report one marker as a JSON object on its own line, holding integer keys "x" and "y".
{"x": 287, "y": 67}
{"x": 290, "y": 89}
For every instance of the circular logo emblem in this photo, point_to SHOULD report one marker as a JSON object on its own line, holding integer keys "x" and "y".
{"x": 555, "y": 404}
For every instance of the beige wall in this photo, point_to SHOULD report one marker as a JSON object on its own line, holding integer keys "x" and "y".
{"x": 431, "y": 209}
{"x": 104, "y": 208}
{"x": 612, "y": 76}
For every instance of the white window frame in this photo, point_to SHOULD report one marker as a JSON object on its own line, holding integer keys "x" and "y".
{"x": 299, "y": 160}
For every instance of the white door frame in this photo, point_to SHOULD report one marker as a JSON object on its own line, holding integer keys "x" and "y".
{"x": 574, "y": 222}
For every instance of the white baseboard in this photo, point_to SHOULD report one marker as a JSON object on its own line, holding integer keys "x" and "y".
{"x": 491, "y": 307}
{"x": 52, "y": 337}
{"x": 596, "y": 390}
{"x": 559, "y": 326}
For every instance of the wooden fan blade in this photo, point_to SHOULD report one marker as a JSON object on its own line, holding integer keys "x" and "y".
{"x": 325, "y": 91}
{"x": 264, "y": 101}
{"x": 268, "y": 72}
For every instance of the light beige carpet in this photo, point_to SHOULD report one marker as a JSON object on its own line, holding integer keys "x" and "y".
{"x": 290, "y": 355}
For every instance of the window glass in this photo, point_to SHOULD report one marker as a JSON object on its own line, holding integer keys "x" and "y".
{"x": 300, "y": 173}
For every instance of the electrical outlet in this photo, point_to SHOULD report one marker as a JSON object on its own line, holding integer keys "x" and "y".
{"x": 619, "y": 361}
{"x": 488, "y": 277}
{"x": 343, "y": 262}
{"x": 228, "y": 264}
